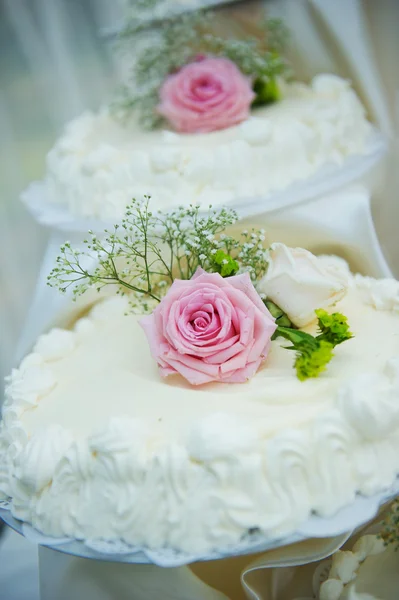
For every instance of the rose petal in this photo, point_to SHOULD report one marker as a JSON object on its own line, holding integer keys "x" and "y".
{"x": 243, "y": 375}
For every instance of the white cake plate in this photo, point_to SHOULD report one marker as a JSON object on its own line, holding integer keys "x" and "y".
{"x": 327, "y": 179}
{"x": 362, "y": 510}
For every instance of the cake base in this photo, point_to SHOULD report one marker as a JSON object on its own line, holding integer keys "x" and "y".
{"x": 335, "y": 528}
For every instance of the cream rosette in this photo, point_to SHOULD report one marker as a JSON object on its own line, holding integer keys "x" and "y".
{"x": 299, "y": 283}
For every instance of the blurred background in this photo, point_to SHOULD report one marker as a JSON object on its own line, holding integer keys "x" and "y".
{"x": 57, "y": 60}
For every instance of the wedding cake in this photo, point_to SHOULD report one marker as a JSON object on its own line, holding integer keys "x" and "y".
{"x": 193, "y": 427}
{"x": 208, "y": 119}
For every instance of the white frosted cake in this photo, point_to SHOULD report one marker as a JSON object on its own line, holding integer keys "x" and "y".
{"x": 99, "y": 163}
{"x": 94, "y": 443}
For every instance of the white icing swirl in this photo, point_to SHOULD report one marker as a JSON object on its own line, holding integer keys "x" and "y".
{"x": 332, "y": 488}
{"x": 83, "y": 327}
{"x": 108, "y": 307}
{"x": 31, "y": 381}
{"x": 37, "y": 462}
{"x": 288, "y": 464}
{"x": 55, "y": 345}
{"x": 383, "y": 294}
{"x": 220, "y": 436}
{"x": 357, "y": 401}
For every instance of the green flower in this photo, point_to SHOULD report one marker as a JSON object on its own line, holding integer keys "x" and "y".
{"x": 312, "y": 360}
{"x": 314, "y": 353}
{"x": 266, "y": 90}
{"x": 333, "y": 328}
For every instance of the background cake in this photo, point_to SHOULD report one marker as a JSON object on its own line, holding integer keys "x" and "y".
{"x": 99, "y": 164}
{"x": 211, "y": 116}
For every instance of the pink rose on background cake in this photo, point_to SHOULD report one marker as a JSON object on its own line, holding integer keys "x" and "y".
{"x": 206, "y": 95}
{"x": 210, "y": 329}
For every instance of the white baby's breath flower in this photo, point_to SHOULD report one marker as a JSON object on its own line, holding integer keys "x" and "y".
{"x": 202, "y": 256}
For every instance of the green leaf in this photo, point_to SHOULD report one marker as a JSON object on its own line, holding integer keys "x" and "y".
{"x": 284, "y": 321}
{"x": 224, "y": 264}
{"x": 296, "y": 337}
{"x": 273, "y": 309}
{"x": 279, "y": 315}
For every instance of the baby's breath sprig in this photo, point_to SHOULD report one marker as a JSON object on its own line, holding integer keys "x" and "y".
{"x": 148, "y": 250}
{"x": 125, "y": 257}
{"x": 252, "y": 254}
{"x": 193, "y": 238}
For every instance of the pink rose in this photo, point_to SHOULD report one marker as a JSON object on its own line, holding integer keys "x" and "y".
{"x": 210, "y": 329}
{"x": 206, "y": 95}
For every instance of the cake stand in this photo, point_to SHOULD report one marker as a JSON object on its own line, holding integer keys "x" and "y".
{"x": 96, "y": 570}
